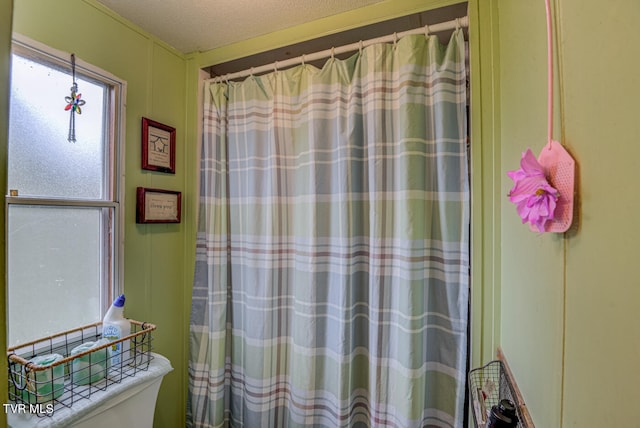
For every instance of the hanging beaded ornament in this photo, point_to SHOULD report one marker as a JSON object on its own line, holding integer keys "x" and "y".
{"x": 73, "y": 102}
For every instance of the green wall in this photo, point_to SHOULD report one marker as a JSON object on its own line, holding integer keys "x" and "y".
{"x": 569, "y": 322}
{"x": 601, "y": 89}
{"x": 156, "y": 282}
{"x": 532, "y": 292}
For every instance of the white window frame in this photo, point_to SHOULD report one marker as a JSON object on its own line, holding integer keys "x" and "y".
{"x": 116, "y": 135}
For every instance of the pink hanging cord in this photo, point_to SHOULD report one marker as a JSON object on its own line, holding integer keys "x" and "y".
{"x": 549, "y": 74}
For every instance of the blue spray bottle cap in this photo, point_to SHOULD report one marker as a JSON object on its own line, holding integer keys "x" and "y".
{"x": 119, "y": 302}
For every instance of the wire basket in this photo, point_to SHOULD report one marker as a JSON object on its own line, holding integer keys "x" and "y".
{"x": 488, "y": 385}
{"x": 43, "y": 387}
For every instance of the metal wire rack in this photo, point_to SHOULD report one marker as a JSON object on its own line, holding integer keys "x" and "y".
{"x": 44, "y": 388}
{"x": 488, "y": 385}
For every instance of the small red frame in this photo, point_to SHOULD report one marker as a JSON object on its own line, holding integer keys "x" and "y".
{"x": 158, "y": 146}
{"x": 158, "y": 206}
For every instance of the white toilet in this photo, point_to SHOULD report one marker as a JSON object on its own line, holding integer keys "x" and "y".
{"x": 130, "y": 403}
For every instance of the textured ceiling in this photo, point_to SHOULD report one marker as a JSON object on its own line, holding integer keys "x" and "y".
{"x": 201, "y": 25}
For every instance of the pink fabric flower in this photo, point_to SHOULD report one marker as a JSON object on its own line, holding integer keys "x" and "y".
{"x": 534, "y": 197}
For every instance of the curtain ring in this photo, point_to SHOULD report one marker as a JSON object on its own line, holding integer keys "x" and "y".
{"x": 251, "y": 72}
{"x": 426, "y": 30}
{"x": 395, "y": 38}
{"x": 458, "y": 25}
{"x": 332, "y": 52}
{"x": 361, "y": 46}
{"x": 303, "y": 60}
{"x": 275, "y": 66}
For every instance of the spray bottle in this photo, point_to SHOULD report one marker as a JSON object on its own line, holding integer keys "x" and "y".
{"x": 115, "y": 326}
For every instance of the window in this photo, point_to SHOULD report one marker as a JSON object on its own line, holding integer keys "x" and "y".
{"x": 63, "y": 212}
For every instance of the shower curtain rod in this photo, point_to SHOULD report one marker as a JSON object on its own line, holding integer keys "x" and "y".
{"x": 427, "y": 29}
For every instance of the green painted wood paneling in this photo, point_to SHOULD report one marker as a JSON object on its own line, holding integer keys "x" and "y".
{"x": 532, "y": 264}
{"x": 601, "y": 89}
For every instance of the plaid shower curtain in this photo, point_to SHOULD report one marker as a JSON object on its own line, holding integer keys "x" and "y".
{"x": 331, "y": 280}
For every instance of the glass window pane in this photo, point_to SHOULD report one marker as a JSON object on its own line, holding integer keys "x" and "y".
{"x": 41, "y": 160}
{"x": 55, "y": 269}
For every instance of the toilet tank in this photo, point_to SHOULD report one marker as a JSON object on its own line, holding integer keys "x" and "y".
{"x": 130, "y": 403}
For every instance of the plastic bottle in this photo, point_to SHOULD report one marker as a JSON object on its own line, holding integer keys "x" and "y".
{"x": 115, "y": 326}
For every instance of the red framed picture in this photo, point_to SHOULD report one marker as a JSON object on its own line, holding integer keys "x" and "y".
{"x": 158, "y": 206}
{"x": 158, "y": 146}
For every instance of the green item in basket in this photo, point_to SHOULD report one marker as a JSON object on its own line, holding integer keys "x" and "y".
{"x": 91, "y": 367}
{"x": 43, "y": 385}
